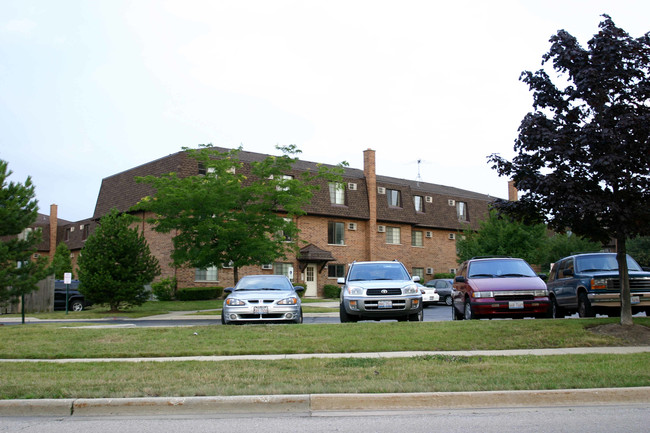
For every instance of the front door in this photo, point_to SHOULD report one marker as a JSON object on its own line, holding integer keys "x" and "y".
{"x": 311, "y": 281}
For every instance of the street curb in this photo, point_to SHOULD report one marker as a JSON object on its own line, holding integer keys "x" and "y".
{"x": 309, "y": 404}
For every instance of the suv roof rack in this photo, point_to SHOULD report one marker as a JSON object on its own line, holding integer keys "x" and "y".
{"x": 491, "y": 257}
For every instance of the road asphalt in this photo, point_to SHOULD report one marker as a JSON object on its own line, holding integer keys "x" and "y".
{"x": 307, "y": 404}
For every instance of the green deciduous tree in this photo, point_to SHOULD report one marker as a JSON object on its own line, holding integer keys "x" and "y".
{"x": 115, "y": 263}
{"x": 228, "y": 216}
{"x": 582, "y": 155}
{"x": 61, "y": 262}
{"x": 19, "y": 272}
{"x": 503, "y": 237}
{"x": 639, "y": 248}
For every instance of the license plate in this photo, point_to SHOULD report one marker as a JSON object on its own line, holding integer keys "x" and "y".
{"x": 432, "y": 298}
{"x": 516, "y": 305}
{"x": 385, "y": 304}
{"x": 261, "y": 310}
{"x": 635, "y": 300}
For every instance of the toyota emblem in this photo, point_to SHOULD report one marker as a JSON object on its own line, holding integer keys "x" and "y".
{"x": 384, "y": 291}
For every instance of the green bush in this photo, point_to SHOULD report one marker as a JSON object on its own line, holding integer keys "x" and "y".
{"x": 442, "y": 275}
{"x": 164, "y": 289}
{"x": 199, "y": 293}
{"x": 331, "y": 291}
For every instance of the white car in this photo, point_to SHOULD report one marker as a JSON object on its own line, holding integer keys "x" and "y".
{"x": 429, "y": 295}
{"x": 262, "y": 298}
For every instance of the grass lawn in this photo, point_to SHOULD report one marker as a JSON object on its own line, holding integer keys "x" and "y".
{"x": 417, "y": 374}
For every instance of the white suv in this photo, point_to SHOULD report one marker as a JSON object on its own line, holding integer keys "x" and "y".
{"x": 380, "y": 290}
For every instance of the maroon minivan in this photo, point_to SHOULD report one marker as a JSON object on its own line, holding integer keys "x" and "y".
{"x": 493, "y": 287}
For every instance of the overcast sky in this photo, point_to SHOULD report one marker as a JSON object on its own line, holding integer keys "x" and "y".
{"x": 92, "y": 88}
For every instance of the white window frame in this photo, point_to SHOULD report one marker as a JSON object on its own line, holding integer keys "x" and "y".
{"x": 210, "y": 274}
{"x": 393, "y": 235}
{"x": 337, "y": 193}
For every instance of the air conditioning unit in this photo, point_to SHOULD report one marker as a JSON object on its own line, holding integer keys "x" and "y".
{"x": 429, "y": 235}
{"x": 452, "y": 270}
{"x": 428, "y": 199}
{"x": 429, "y": 271}
{"x": 452, "y": 236}
{"x": 381, "y": 190}
{"x": 352, "y": 186}
{"x": 267, "y": 267}
{"x": 227, "y": 265}
{"x": 352, "y": 226}
{"x": 381, "y": 229}
{"x": 451, "y": 202}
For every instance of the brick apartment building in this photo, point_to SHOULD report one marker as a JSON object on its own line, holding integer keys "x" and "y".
{"x": 371, "y": 218}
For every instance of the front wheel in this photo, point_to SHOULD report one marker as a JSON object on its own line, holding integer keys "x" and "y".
{"x": 417, "y": 317}
{"x": 469, "y": 314}
{"x": 299, "y": 318}
{"x": 344, "y": 316}
{"x": 448, "y": 300}
{"x": 584, "y": 306}
{"x": 76, "y": 305}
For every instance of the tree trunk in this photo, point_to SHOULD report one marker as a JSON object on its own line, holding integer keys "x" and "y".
{"x": 235, "y": 274}
{"x": 624, "y": 277}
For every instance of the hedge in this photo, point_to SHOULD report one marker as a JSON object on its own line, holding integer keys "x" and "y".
{"x": 331, "y": 291}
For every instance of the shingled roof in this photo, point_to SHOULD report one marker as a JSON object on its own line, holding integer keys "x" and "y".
{"x": 121, "y": 191}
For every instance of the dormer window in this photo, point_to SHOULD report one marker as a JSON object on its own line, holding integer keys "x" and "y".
{"x": 394, "y": 198}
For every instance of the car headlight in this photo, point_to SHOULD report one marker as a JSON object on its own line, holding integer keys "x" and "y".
{"x": 410, "y": 290}
{"x": 288, "y": 301}
{"x": 355, "y": 291}
{"x": 599, "y": 283}
{"x": 483, "y": 295}
{"x": 235, "y": 302}
{"x": 539, "y": 293}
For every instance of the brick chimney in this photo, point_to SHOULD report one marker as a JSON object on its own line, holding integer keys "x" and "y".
{"x": 513, "y": 194}
{"x": 370, "y": 174}
{"x": 54, "y": 223}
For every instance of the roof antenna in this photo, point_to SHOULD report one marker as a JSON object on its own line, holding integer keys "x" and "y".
{"x": 419, "y": 178}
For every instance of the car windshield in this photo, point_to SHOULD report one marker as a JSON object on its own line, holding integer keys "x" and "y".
{"x": 263, "y": 283}
{"x": 602, "y": 262}
{"x": 378, "y": 271}
{"x": 501, "y": 268}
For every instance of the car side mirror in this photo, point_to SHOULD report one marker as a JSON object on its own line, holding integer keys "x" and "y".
{"x": 459, "y": 279}
{"x": 416, "y": 279}
{"x": 228, "y": 289}
{"x": 543, "y": 276}
{"x": 340, "y": 281}
{"x": 299, "y": 288}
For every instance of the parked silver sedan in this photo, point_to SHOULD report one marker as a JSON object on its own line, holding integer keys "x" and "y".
{"x": 262, "y": 298}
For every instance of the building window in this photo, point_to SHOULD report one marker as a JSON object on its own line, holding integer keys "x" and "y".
{"x": 393, "y": 235}
{"x": 418, "y": 272}
{"x": 418, "y": 202}
{"x": 335, "y": 271}
{"x": 283, "y": 269}
{"x": 394, "y": 198}
{"x": 461, "y": 210}
{"x": 337, "y": 193}
{"x": 66, "y": 236}
{"x": 335, "y": 233}
{"x": 416, "y": 238}
{"x": 282, "y": 234}
{"x": 282, "y": 182}
{"x": 207, "y": 274}
{"x": 85, "y": 231}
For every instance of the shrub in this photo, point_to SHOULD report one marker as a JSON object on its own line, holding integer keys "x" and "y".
{"x": 331, "y": 291}
{"x": 164, "y": 289}
{"x": 199, "y": 293}
{"x": 442, "y": 275}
